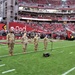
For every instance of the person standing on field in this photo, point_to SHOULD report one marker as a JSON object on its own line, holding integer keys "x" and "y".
{"x": 11, "y": 41}
{"x": 36, "y": 40}
{"x": 24, "y": 42}
{"x": 45, "y": 42}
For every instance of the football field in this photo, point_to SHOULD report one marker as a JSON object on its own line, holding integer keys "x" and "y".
{"x": 60, "y": 62}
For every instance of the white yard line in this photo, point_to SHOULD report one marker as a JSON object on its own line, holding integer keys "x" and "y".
{"x": 4, "y": 56}
{"x": 38, "y": 50}
{"x": 8, "y": 71}
{"x": 7, "y": 45}
{"x": 67, "y": 72}
{"x": 61, "y": 51}
{"x": 2, "y": 65}
{"x": 64, "y": 46}
{"x": 71, "y": 53}
{"x": 21, "y": 53}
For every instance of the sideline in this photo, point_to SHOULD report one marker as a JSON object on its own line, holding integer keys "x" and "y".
{"x": 2, "y": 65}
{"x": 69, "y": 71}
{"x": 37, "y": 51}
{"x": 8, "y": 71}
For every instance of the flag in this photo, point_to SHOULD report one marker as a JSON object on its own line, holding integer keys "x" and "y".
{"x": 69, "y": 32}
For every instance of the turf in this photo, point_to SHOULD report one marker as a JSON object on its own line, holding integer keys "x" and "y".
{"x": 61, "y": 60}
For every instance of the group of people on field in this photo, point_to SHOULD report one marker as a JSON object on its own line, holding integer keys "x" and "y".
{"x": 25, "y": 40}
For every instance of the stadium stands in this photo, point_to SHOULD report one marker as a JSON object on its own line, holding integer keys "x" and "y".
{"x": 52, "y": 2}
{"x": 43, "y": 22}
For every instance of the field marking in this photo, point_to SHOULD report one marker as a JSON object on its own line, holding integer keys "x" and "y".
{"x": 4, "y": 56}
{"x": 64, "y": 46}
{"x": 2, "y": 65}
{"x": 61, "y": 51}
{"x": 22, "y": 53}
{"x": 70, "y": 52}
{"x": 7, "y": 45}
{"x": 8, "y": 71}
{"x": 69, "y": 71}
{"x": 50, "y": 48}
{"x": 37, "y": 51}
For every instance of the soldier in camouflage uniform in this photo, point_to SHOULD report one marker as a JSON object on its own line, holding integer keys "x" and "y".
{"x": 24, "y": 42}
{"x": 11, "y": 41}
{"x": 36, "y": 39}
{"x": 45, "y": 42}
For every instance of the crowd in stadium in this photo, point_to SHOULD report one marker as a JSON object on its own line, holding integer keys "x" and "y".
{"x": 57, "y": 29}
{"x": 46, "y": 16}
{"x": 50, "y": 23}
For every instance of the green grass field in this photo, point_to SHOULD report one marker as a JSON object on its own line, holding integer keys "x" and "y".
{"x": 62, "y": 59}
